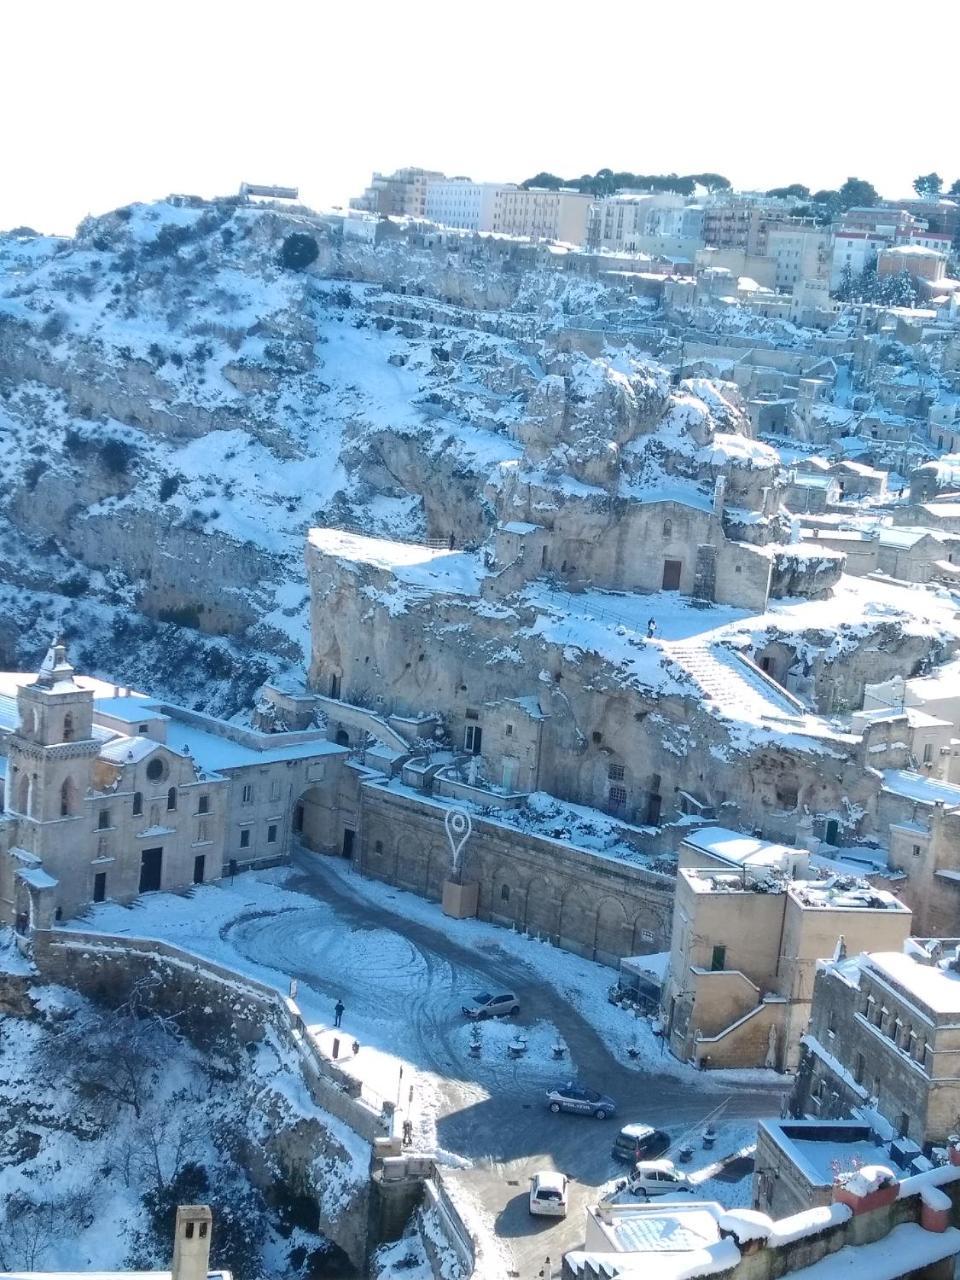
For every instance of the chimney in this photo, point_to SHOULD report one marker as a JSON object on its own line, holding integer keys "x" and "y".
{"x": 191, "y": 1245}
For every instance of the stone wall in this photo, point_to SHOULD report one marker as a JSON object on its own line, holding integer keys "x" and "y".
{"x": 594, "y": 906}
{"x": 209, "y": 1001}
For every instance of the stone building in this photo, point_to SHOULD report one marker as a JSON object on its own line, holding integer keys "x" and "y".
{"x": 110, "y": 794}
{"x": 743, "y": 951}
{"x": 600, "y": 906}
{"x": 885, "y": 1034}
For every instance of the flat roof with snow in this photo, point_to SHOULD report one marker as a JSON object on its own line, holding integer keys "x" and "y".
{"x": 936, "y": 986}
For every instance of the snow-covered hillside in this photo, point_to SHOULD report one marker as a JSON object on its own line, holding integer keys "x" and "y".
{"x": 177, "y": 407}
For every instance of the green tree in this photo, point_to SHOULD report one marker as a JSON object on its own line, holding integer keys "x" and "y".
{"x": 955, "y": 188}
{"x": 844, "y": 291}
{"x": 548, "y": 180}
{"x": 857, "y": 193}
{"x": 712, "y": 181}
{"x": 928, "y": 186}
{"x": 796, "y": 190}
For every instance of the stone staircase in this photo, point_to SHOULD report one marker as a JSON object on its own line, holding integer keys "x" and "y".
{"x": 734, "y": 685}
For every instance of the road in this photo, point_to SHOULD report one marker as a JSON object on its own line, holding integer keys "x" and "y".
{"x": 402, "y": 982}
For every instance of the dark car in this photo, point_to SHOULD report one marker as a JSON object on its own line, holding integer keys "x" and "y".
{"x": 640, "y": 1142}
{"x": 499, "y": 1005}
{"x": 571, "y": 1096}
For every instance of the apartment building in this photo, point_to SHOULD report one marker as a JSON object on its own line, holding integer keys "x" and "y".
{"x": 885, "y": 1034}
{"x": 854, "y": 249}
{"x": 741, "y": 222}
{"x": 617, "y": 224}
{"x": 462, "y": 203}
{"x": 890, "y": 222}
{"x": 400, "y": 194}
{"x": 802, "y": 252}
{"x": 538, "y": 214}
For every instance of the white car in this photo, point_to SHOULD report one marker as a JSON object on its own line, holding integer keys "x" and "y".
{"x": 548, "y": 1194}
{"x": 657, "y": 1178}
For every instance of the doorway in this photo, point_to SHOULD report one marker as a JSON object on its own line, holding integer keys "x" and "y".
{"x": 831, "y": 832}
{"x": 348, "y": 836}
{"x": 671, "y": 574}
{"x": 298, "y": 820}
{"x": 199, "y": 868}
{"x": 151, "y": 862}
{"x": 99, "y": 886}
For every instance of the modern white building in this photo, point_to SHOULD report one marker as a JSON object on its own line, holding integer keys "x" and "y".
{"x": 854, "y": 249}
{"x": 462, "y": 203}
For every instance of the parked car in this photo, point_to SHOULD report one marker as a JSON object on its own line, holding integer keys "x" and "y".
{"x": 548, "y": 1194}
{"x": 657, "y": 1178}
{"x": 640, "y": 1142}
{"x": 585, "y": 1102}
{"x": 487, "y": 1005}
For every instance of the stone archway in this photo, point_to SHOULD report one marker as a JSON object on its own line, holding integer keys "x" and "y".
{"x": 613, "y": 935}
{"x": 312, "y": 824}
{"x": 578, "y": 919}
{"x": 541, "y": 915}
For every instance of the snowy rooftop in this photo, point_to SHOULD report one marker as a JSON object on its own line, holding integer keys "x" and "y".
{"x": 918, "y": 787}
{"x": 815, "y": 1146}
{"x": 936, "y": 986}
{"x": 739, "y": 849}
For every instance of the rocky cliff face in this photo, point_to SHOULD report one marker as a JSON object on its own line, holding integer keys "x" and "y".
{"x": 178, "y": 404}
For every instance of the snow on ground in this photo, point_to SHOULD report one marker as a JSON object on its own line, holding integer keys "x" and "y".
{"x": 724, "y": 1173}
{"x": 201, "y": 922}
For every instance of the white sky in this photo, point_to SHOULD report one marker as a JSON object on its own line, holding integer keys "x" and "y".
{"x": 106, "y": 102}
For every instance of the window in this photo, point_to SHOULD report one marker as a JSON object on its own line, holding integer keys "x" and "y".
{"x": 172, "y": 798}
{"x": 615, "y": 772}
{"x": 617, "y": 797}
{"x": 916, "y": 851}
{"x": 247, "y": 795}
{"x": 667, "y": 528}
{"x": 472, "y": 737}
{"x": 245, "y": 838}
{"x": 142, "y": 728}
{"x": 927, "y": 752}
{"x": 202, "y": 836}
{"x": 155, "y": 769}
{"x": 271, "y": 835}
{"x": 99, "y": 886}
{"x": 832, "y": 1024}
{"x": 504, "y": 893}
{"x": 858, "y": 1070}
{"x": 103, "y": 820}
{"x": 68, "y": 727}
{"x": 275, "y": 789}
{"x": 203, "y": 804}
{"x": 903, "y": 1128}
{"x": 508, "y": 731}
{"x": 718, "y": 959}
{"x": 137, "y": 803}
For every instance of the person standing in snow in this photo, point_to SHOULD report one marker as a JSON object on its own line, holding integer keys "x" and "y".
{"x": 338, "y": 1012}
{"x": 651, "y": 628}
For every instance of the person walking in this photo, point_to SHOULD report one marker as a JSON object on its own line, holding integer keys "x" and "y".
{"x": 338, "y": 1012}
{"x": 651, "y": 628}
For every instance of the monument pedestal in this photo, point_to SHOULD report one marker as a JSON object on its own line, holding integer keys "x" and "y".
{"x": 460, "y": 900}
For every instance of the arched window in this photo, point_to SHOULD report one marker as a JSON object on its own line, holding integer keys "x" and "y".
{"x": 137, "y": 803}
{"x": 172, "y": 798}
{"x": 505, "y": 892}
{"x": 667, "y": 528}
{"x": 23, "y": 794}
{"x": 68, "y": 727}
{"x": 66, "y": 798}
